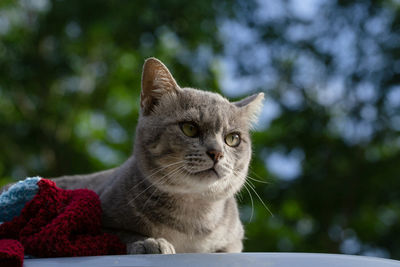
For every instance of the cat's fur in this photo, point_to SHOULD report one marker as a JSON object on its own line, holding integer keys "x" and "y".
{"x": 165, "y": 198}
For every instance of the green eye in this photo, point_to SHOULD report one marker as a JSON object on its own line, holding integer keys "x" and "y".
{"x": 232, "y": 139}
{"x": 189, "y": 129}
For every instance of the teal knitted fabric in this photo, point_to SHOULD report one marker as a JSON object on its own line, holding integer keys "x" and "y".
{"x": 14, "y": 199}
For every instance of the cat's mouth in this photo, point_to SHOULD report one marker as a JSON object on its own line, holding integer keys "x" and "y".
{"x": 208, "y": 172}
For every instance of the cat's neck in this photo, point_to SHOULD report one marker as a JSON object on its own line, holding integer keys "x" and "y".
{"x": 130, "y": 193}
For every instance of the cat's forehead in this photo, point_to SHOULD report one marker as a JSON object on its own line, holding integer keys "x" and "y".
{"x": 202, "y": 99}
{"x": 207, "y": 108}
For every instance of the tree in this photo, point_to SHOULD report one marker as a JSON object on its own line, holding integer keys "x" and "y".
{"x": 327, "y": 143}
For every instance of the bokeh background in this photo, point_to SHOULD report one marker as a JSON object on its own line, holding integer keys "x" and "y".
{"x": 327, "y": 145}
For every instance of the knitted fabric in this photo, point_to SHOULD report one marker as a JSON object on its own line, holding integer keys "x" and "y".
{"x": 13, "y": 201}
{"x": 11, "y": 253}
{"x": 61, "y": 223}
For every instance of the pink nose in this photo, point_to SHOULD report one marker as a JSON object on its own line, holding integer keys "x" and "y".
{"x": 215, "y": 155}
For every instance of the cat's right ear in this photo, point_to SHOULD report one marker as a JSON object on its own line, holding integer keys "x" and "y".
{"x": 156, "y": 81}
{"x": 251, "y": 107}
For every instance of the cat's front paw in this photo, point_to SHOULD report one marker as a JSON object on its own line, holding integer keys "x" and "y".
{"x": 151, "y": 246}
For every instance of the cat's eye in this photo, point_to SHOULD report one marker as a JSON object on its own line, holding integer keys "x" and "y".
{"x": 232, "y": 139}
{"x": 190, "y": 129}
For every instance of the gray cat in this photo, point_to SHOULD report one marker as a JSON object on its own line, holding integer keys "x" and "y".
{"x": 175, "y": 194}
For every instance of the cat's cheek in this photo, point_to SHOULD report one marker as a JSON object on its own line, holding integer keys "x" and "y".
{"x": 156, "y": 149}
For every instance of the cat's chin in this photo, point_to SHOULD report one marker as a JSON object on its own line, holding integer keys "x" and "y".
{"x": 208, "y": 173}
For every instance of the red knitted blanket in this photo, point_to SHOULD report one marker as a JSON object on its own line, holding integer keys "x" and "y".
{"x": 57, "y": 223}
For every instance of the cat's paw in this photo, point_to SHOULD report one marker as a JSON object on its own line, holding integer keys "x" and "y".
{"x": 151, "y": 246}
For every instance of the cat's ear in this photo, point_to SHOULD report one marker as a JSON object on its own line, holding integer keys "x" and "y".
{"x": 156, "y": 81}
{"x": 251, "y": 107}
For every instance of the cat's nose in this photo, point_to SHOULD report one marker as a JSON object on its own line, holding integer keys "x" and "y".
{"x": 215, "y": 155}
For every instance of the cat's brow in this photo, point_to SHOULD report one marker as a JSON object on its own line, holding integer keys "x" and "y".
{"x": 173, "y": 123}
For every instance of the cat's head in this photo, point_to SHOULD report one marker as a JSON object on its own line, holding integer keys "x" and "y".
{"x": 192, "y": 141}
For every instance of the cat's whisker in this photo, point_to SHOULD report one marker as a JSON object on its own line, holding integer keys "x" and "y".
{"x": 239, "y": 174}
{"x": 239, "y": 196}
{"x": 252, "y": 203}
{"x": 156, "y": 183}
{"x": 262, "y": 202}
{"x": 151, "y": 195}
{"x": 158, "y": 170}
{"x": 259, "y": 178}
{"x": 250, "y": 184}
{"x": 256, "y": 180}
{"x": 172, "y": 156}
{"x": 247, "y": 184}
{"x": 164, "y": 179}
{"x": 251, "y": 178}
{"x": 161, "y": 182}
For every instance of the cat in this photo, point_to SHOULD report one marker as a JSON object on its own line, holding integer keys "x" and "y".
{"x": 176, "y": 193}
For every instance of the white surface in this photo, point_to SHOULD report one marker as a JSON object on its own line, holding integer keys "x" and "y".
{"x": 219, "y": 259}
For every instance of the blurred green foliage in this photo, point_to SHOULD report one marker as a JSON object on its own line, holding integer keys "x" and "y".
{"x": 69, "y": 101}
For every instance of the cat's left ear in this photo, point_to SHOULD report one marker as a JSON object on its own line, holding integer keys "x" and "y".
{"x": 156, "y": 81}
{"x": 251, "y": 106}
